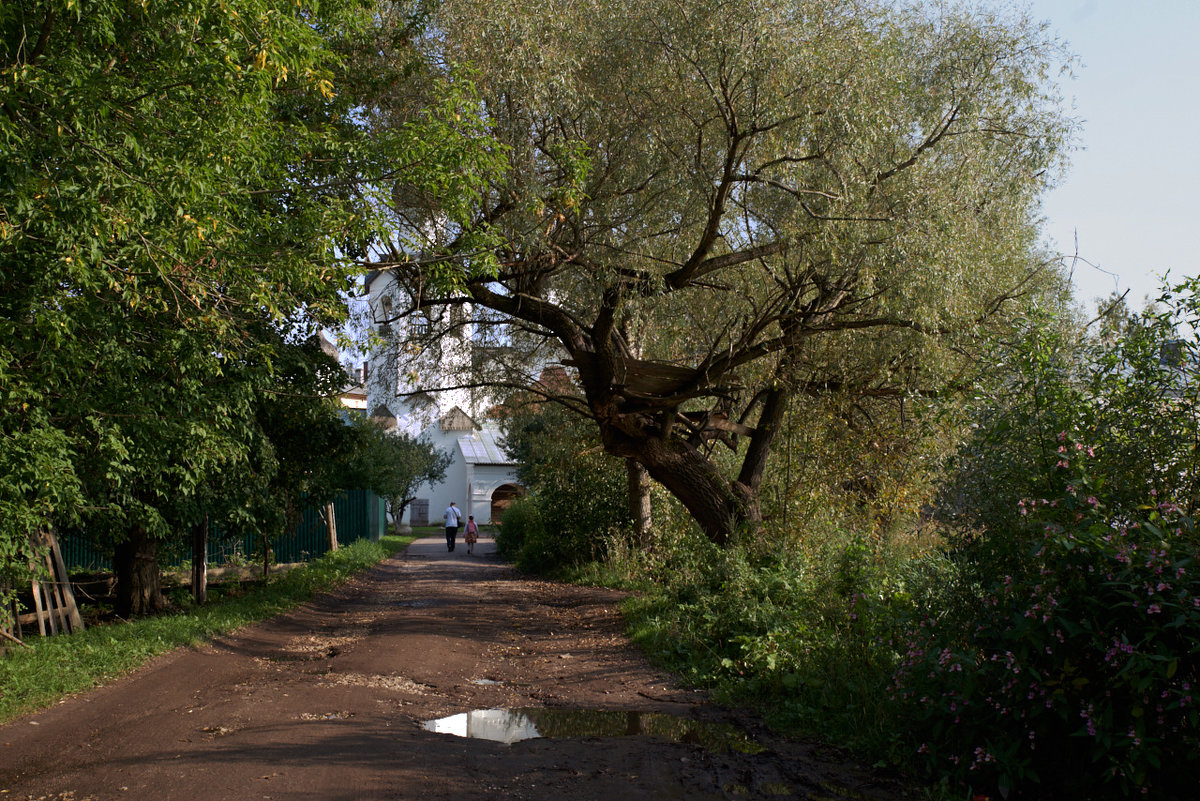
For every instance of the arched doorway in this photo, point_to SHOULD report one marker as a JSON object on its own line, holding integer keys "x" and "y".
{"x": 502, "y": 498}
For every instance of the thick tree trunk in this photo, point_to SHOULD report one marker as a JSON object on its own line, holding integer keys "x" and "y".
{"x": 770, "y": 422}
{"x": 200, "y": 561}
{"x": 135, "y": 562}
{"x": 639, "y": 499}
{"x": 720, "y": 507}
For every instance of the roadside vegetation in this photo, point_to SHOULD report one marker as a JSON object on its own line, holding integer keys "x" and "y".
{"x": 187, "y": 194}
{"x": 52, "y": 667}
{"x": 1026, "y": 624}
{"x": 784, "y": 258}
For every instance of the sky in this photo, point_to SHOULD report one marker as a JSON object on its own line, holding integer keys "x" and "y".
{"x": 1132, "y": 194}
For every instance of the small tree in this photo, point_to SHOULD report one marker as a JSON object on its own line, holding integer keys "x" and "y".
{"x": 394, "y": 465}
{"x": 577, "y": 490}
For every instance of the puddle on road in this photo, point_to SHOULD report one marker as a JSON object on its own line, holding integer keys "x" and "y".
{"x": 512, "y": 725}
{"x": 485, "y": 682}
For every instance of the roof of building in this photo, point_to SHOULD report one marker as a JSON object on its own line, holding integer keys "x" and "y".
{"x": 384, "y": 417}
{"x": 481, "y": 448}
{"x": 457, "y": 420}
{"x": 370, "y": 278}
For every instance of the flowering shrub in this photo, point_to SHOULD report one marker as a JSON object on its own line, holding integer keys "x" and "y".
{"x": 1076, "y": 669}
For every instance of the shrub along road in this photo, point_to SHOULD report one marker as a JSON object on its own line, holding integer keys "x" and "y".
{"x": 328, "y": 703}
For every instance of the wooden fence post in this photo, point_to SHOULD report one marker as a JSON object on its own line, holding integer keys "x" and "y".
{"x": 331, "y": 524}
{"x": 200, "y": 561}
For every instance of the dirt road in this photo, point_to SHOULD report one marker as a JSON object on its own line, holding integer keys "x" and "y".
{"x": 329, "y": 703}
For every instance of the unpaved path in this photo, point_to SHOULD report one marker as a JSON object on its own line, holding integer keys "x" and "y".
{"x": 327, "y": 703}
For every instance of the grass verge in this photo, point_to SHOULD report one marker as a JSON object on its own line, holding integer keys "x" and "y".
{"x": 53, "y": 667}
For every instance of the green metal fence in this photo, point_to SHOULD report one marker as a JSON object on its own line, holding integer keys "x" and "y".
{"x": 359, "y": 515}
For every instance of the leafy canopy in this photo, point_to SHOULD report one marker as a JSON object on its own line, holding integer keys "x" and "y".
{"x": 712, "y": 209}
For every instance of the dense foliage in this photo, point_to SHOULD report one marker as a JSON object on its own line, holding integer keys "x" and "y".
{"x": 1038, "y": 640}
{"x": 1127, "y": 390}
{"x": 577, "y": 493}
{"x": 1073, "y": 631}
{"x": 183, "y": 189}
{"x": 717, "y": 211}
{"x": 1078, "y": 648}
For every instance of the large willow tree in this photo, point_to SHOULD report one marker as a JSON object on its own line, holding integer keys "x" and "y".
{"x": 717, "y": 209}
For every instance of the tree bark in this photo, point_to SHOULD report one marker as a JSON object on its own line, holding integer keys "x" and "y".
{"x": 720, "y": 507}
{"x": 639, "y": 499}
{"x": 770, "y": 421}
{"x": 200, "y": 561}
{"x": 135, "y": 562}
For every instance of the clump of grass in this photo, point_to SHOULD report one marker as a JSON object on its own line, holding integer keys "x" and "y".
{"x": 34, "y": 677}
{"x": 802, "y": 635}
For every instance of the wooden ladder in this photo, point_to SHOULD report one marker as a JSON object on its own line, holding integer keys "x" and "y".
{"x": 53, "y": 600}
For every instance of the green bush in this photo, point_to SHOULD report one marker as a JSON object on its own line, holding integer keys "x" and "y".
{"x": 1130, "y": 391}
{"x": 521, "y": 520}
{"x": 1073, "y": 674}
{"x": 801, "y": 636}
{"x": 578, "y": 494}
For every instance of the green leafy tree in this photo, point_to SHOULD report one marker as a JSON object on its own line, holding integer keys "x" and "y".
{"x": 577, "y": 491}
{"x": 1126, "y": 390}
{"x": 1071, "y": 631}
{"x": 393, "y": 465}
{"x": 175, "y": 175}
{"x": 713, "y": 211}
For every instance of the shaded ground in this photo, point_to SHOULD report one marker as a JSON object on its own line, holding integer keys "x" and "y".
{"x": 327, "y": 703}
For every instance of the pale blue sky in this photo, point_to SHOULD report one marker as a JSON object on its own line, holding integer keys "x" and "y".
{"x": 1133, "y": 191}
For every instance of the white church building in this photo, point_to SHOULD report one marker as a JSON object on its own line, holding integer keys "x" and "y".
{"x": 414, "y": 384}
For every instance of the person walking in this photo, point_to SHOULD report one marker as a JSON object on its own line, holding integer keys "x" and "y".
{"x": 453, "y": 517}
{"x": 472, "y": 534}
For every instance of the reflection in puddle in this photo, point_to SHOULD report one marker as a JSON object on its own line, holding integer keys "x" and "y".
{"x": 499, "y": 725}
{"x": 511, "y": 725}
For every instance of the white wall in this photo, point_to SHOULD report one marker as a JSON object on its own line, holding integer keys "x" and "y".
{"x": 481, "y": 479}
{"x": 394, "y": 371}
{"x": 484, "y": 480}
